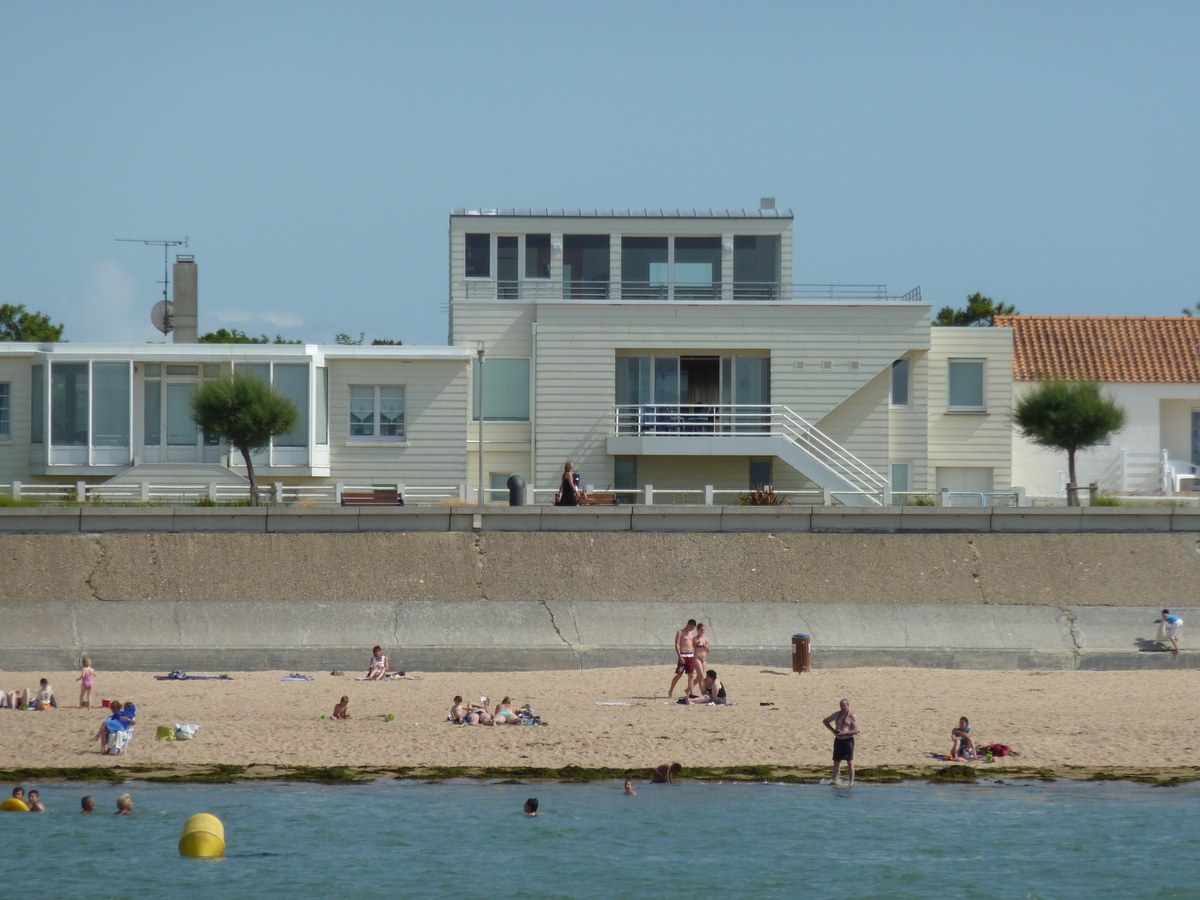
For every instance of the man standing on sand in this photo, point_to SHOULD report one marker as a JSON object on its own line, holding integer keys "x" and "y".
{"x": 844, "y": 726}
{"x": 685, "y": 656}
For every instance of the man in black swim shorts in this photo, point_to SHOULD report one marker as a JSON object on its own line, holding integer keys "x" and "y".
{"x": 844, "y": 726}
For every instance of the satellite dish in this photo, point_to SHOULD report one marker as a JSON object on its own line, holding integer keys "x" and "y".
{"x": 161, "y": 315}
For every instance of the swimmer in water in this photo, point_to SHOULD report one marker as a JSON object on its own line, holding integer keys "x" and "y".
{"x": 124, "y": 805}
{"x": 35, "y": 802}
{"x": 629, "y": 791}
{"x": 531, "y": 806}
{"x": 88, "y": 803}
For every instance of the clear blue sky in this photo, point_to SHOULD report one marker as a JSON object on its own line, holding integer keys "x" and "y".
{"x": 1045, "y": 154}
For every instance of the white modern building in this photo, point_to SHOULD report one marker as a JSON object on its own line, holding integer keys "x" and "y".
{"x": 660, "y": 349}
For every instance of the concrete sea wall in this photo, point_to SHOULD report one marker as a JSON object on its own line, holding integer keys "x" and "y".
{"x": 504, "y": 599}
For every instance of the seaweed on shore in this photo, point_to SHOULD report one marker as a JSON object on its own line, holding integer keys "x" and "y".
{"x": 329, "y": 775}
{"x": 84, "y": 773}
{"x": 218, "y": 773}
{"x": 953, "y": 775}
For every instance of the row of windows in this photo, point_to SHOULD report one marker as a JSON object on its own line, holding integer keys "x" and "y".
{"x": 648, "y": 261}
{"x": 964, "y": 385}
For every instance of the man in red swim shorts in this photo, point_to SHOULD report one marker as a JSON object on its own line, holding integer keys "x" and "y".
{"x": 687, "y": 664}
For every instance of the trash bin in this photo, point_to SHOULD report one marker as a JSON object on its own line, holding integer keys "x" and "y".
{"x": 801, "y": 653}
{"x": 516, "y": 490}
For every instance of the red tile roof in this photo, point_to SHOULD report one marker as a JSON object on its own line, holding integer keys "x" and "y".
{"x": 1109, "y": 349}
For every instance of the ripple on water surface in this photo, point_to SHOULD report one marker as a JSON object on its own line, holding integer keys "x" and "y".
{"x": 716, "y": 841}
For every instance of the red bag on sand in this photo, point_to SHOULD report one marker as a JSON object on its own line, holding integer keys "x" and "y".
{"x": 996, "y": 750}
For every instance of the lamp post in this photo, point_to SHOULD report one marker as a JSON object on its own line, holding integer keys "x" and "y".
{"x": 479, "y": 353}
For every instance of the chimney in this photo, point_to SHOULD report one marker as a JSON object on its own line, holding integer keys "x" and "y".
{"x": 766, "y": 203}
{"x": 184, "y": 312}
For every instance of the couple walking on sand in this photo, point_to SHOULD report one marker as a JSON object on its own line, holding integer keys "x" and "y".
{"x": 691, "y": 654}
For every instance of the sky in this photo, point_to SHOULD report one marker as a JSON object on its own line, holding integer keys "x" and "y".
{"x": 1044, "y": 154}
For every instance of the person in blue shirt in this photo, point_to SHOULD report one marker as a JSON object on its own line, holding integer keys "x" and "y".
{"x": 1173, "y": 626}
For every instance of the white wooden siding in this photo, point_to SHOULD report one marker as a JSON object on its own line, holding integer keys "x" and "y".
{"x": 972, "y": 439}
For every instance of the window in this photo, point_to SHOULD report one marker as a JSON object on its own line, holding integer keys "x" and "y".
{"x": 644, "y": 262}
{"x": 5, "y": 412}
{"x": 965, "y": 386}
{"x": 505, "y": 390}
{"x": 323, "y": 406}
{"x": 537, "y": 256}
{"x": 900, "y": 382}
{"x": 507, "y": 266}
{"x": 697, "y": 268}
{"x": 585, "y": 266}
{"x": 756, "y": 267}
{"x": 37, "y": 406}
{"x": 760, "y": 473}
{"x": 479, "y": 256}
{"x": 625, "y": 478}
{"x": 376, "y": 412}
{"x": 69, "y": 404}
{"x": 899, "y": 484}
{"x": 110, "y": 404}
{"x": 291, "y": 380}
{"x": 498, "y": 489}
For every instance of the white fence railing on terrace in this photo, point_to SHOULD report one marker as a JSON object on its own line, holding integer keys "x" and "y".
{"x": 274, "y": 493}
{"x": 750, "y": 420}
{"x": 763, "y": 291}
{"x": 1125, "y": 472}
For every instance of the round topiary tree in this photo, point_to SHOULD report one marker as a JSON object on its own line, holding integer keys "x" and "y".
{"x": 245, "y": 412}
{"x": 1068, "y": 416}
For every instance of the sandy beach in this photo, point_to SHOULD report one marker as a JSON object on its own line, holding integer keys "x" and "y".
{"x": 1070, "y": 722}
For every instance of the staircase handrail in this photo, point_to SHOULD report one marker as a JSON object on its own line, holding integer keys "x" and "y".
{"x": 836, "y": 457}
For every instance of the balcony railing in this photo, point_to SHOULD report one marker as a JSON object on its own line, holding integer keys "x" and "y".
{"x": 762, "y": 291}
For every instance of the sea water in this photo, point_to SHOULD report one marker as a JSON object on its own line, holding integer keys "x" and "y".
{"x": 708, "y": 841}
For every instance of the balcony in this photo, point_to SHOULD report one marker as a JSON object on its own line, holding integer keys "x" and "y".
{"x": 753, "y": 291}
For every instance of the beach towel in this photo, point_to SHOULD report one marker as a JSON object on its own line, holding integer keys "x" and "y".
{"x": 613, "y": 703}
{"x": 295, "y": 677}
{"x": 184, "y": 676}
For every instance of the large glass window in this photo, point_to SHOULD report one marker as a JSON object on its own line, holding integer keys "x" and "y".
{"x": 756, "y": 266}
{"x": 644, "y": 263}
{"x": 479, "y": 256}
{"x": 152, "y": 411}
{"x": 625, "y": 478}
{"x": 323, "y": 406}
{"x": 900, "y": 383}
{"x": 965, "y": 385}
{"x": 5, "y": 411}
{"x": 666, "y": 379}
{"x": 537, "y": 256}
{"x": 697, "y": 267}
{"x": 110, "y": 404}
{"x": 37, "y": 406}
{"x": 585, "y": 265}
{"x": 760, "y": 473}
{"x": 633, "y": 380}
{"x": 291, "y": 380}
{"x": 505, "y": 390}
{"x": 69, "y": 404}
{"x": 377, "y": 412}
{"x": 507, "y": 266}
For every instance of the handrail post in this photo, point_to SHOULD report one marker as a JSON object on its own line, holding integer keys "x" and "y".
{"x": 708, "y": 495}
{"x": 649, "y": 495}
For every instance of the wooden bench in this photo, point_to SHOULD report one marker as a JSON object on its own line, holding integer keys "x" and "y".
{"x": 598, "y": 500}
{"x": 378, "y": 497}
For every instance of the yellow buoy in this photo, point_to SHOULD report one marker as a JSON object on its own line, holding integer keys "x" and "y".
{"x": 203, "y": 836}
{"x": 12, "y": 804}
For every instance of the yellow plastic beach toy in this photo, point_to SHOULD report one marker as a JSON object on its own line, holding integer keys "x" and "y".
{"x": 12, "y": 804}
{"x": 203, "y": 837}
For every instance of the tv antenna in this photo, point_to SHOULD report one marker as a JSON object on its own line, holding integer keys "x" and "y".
{"x": 161, "y": 314}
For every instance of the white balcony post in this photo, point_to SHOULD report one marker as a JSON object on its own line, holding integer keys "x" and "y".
{"x": 827, "y": 496}
{"x": 81, "y": 491}
{"x": 529, "y": 495}
{"x": 400, "y": 489}
{"x": 886, "y": 497}
{"x": 279, "y": 493}
{"x": 462, "y": 490}
{"x": 708, "y": 495}
{"x": 212, "y": 491}
{"x": 1124, "y": 469}
{"x": 339, "y": 487}
{"x": 649, "y": 495}
{"x": 945, "y": 497}
{"x": 1020, "y": 492}
{"x": 145, "y": 491}
{"x": 16, "y": 490}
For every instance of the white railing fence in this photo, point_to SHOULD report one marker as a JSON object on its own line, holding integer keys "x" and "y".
{"x": 1126, "y": 472}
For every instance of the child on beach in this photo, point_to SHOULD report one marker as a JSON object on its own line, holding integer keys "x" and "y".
{"x": 458, "y": 712}
{"x": 340, "y": 710}
{"x": 87, "y": 675}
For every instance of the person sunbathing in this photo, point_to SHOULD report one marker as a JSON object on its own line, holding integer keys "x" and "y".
{"x": 18, "y": 699}
{"x": 458, "y": 712}
{"x": 961, "y": 742}
{"x": 379, "y": 668}
{"x": 506, "y": 713}
{"x": 479, "y": 713}
{"x": 114, "y": 723}
{"x": 340, "y": 711}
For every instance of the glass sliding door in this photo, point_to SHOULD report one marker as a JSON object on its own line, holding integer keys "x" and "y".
{"x": 111, "y": 392}
{"x": 697, "y": 268}
{"x": 183, "y": 437}
{"x": 585, "y": 266}
{"x": 644, "y": 268}
{"x": 507, "y": 267}
{"x": 752, "y": 394}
